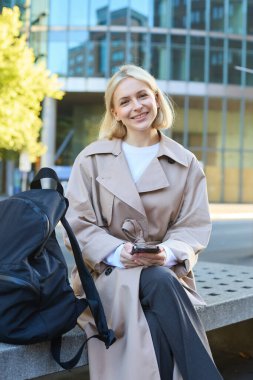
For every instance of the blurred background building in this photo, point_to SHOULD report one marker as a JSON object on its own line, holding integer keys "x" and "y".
{"x": 197, "y": 50}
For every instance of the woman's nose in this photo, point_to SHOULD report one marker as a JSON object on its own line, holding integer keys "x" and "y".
{"x": 137, "y": 104}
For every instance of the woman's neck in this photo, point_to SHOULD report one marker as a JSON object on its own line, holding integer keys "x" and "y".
{"x": 141, "y": 139}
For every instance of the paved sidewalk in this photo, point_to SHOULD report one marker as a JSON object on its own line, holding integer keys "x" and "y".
{"x": 231, "y": 211}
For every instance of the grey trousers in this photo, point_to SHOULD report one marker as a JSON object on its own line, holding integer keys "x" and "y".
{"x": 175, "y": 327}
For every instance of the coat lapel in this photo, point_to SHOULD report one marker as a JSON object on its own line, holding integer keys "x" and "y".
{"x": 117, "y": 179}
{"x": 116, "y": 176}
{"x": 153, "y": 178}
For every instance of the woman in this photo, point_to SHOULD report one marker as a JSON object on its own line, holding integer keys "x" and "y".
{"x": 135, "y": 185}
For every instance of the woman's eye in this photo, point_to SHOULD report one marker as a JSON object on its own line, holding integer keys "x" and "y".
{"x": 124, "y": 102}
{"x": 143, "y": 95}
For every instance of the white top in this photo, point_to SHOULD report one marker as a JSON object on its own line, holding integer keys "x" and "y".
{"x": 138, "y": 159}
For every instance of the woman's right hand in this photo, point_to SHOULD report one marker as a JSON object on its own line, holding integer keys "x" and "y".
{"x": 141, "y": 259}
{"x": 126, "y": 258}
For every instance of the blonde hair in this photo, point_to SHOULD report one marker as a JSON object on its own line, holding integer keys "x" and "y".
{"x": 111, "y": 128}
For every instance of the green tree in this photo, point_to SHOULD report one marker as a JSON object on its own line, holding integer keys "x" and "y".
{"x": 23, "y": 86}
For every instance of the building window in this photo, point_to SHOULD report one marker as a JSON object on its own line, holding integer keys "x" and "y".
{"x": 160, "y": 13}
{"x": 216, "y": 60}
{"x": 249, "y": 63}
{"x": 159, "y": 53}
{"x": 249, "y": 17}
{"x": 139, "y": 13}
{"x": 178, "y": 58}
{"x": 78, "y": 12}
{"x": 58, "y": 52}
{"x": 118, "y": 51}
{"x": 234, "y": 59}
{"x": 217, "y": 15}
{"x": 178, "y": 16}
{"x": 138, "y": 49}
{"x": 39, "y": 12}
{"x": 99, "y": 12}
{"x": 98, "y": 48}
{"x": 77, "y": 53}
{"x": 58, "y": 15}
{"x": 198, "y": 15}
{"x": 235, "y": 17}
{"x": 197, "y": 59}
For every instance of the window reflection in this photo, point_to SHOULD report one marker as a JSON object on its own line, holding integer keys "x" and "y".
{"x": 97, "y": 54}
{"x": 58, "y": 12}
{"x": 198, "y": 14}
{"x": 79, "y": 116}
{"x": 139, "y": 12}
{"x": 217, "y": 15}
{"x": 138, "y": 50}
{"x": 215, "y": 122}
{"x": 78, "y": 12}
{"x": 178, "y": 60}
{"x": 118, "y": 51}
{"x": 233, "y": 124}
{"x": 248, "y": 154}
{"x": 57, "y": 52}
{"x": 248, "y": 127}
{"x": 216, "y": 60}
{"x": 234, "y": 59}
{"x": 98, "y": 12}
{"x": 247, "y": 177}
{"x": 213, "y": 168}
{"x": 249, "y": 17}
{"x": 160, "y": 13}
{"x": 235, "y": 16}
{"x": 38, "y": 42}
{"x": 197, "y": 59}
{"x": 39, "y": 12}
{"x": 214, "y": 174}
{"x": 178, "y": 10}
{"x": 195, "y": 126}
{"x": 77, "y": 53}
{"x": 249, "y": 63}
{"x": 231, "y": 176}
{"x": 159, "y": 56}
{"x": 119, "y": 12}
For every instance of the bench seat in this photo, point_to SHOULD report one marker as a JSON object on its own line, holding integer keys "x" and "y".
{"x": 227, "y": 290}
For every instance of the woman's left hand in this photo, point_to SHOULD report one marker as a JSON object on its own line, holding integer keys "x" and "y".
{"x": 151, "y": 259}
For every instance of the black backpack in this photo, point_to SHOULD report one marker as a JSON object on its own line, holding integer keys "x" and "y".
{"x": 37, "y": 301}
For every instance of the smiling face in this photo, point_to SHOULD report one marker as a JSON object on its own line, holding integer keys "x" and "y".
{"x": 135, "y": 105}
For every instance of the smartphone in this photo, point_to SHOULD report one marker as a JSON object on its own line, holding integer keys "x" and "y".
{"x": 146, "y": 248}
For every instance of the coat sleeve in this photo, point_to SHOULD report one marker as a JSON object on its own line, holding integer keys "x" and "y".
{"x": 190, "y": 232}
{"x": 95, "y": 241}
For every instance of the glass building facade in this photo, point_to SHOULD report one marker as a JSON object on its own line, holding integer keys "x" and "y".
{"x": 196, "y": 49}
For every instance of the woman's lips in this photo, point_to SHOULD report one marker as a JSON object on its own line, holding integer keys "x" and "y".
{"x": 141, "y": 116}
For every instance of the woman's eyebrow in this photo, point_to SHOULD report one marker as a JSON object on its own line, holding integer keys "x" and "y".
{"x": 129, "y": 96}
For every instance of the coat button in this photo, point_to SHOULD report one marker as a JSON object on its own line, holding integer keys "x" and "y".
{"x": 108, "y": 271}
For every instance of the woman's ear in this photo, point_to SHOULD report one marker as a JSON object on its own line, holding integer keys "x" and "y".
{"x": 157, "y": 100}
{"x": 114, "y": 114}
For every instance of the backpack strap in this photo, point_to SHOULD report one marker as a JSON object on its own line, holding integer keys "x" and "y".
{"x": 92, "y": 296}
{"x": 92, "y": 299}
{"x": 46, "y": 173}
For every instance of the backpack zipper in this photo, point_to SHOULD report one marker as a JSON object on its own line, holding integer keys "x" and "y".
{"x": 19, "y": 281}
{"x": 38, "y": 211}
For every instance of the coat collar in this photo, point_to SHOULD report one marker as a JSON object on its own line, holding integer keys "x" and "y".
{"x": 117, "y": 178}
{"x": 168, "y": 147}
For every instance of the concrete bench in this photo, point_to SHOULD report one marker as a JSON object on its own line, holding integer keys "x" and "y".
{"x": 228, "y": 292}
{"x": 227, "y": 289}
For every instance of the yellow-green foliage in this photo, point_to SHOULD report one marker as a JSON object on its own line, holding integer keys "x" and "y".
{"x": 23, "y": 86}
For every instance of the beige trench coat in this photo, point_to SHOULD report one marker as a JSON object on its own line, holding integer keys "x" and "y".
{"x": 168, "y": 204}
